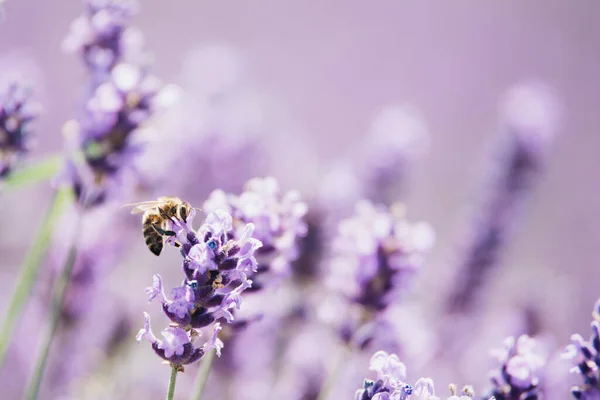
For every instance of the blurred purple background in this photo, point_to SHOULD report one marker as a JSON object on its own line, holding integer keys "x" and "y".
{"x": 328, "y": 68}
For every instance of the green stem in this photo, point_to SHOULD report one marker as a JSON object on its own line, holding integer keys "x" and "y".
{"x": 171, "y": 393}
{"x": 58, "y": 298}
{"x": 203, "y": 374}
{"x": 338, "y": 367}
{"x": 42, "y": 170}
{"x": 30, "y": 267}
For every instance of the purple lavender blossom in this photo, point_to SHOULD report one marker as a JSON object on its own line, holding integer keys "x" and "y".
{"x": 397, "y": 136}
{"x": 102, "y": 35}
{"x": 16, "y": 113}
{"x": 217, "y": 115}
{"x": 530, "y": 114}
{"x": 586, "y": 357}
{"x": 377, "y": 253}
{"x": 518, "y": 376}
{"x": 278, "y": 219}
{"x": 390, "y": 383}
{"x": 121, "y": 98}
{"x": 216, "y": 273}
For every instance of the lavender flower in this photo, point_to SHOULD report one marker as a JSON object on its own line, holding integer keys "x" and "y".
{"x": 216, "y": 269}
{"x": 121, "y": 99}
{"x": 530, "y": 119}
{"x": 586, "y": 357}
{"x": 102, "y": 35}
{"x": 397, "y": 136}
{"x": 377, "y": 255}
{"x": 217, "y": 115}
{"x": 16, "y": 113}
{"x": 391, "y": 383}
{"x": 278, "y": 219}
{"x": 518, "y": 377}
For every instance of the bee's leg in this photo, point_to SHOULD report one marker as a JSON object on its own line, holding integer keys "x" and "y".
{"x": 163, "y": 231}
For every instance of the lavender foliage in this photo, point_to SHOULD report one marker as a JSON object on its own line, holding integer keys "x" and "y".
{"x": 216, "y": 272}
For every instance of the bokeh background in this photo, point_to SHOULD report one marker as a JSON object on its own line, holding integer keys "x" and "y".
{"x": 321, "y": 72}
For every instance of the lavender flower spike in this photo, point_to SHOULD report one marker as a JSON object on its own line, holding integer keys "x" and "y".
{"x": 101, "y": 35}
{"x": 121, "y": 98}
{"x": 16, "y": 114}
{"x": 390, "y": 383}
{"x": 518, "y": 377}
{"x": 377, "y": 253}
{"x": 278, "y": 220}
{"x": 529, "y": 115}
{"x": 586, "y": 357}
{"x": 215, "y": 267}
{"x": 397, "y": 136}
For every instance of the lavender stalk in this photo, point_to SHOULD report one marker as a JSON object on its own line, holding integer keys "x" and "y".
{"x": 529, "y": 114}
{"x": 172, "y": 382}
{"x": 30, "y": 267}
{"x": 58, "y": 298}
{"x": 203, "y": 374}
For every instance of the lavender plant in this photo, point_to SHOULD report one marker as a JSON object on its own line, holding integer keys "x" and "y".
{"x": 278, "y": 219}
{"x": 121, "y": 99}
{"x": 17, "y": 112}
{"x": 585, "y": 355}
{"x": 390, "y": 383}
{"x": 216, "y": 269}
{"x": 377, "y": 254}
{"x": 529, "y": 117}
{"x": 397, "y": 136}
{"x": 519, "y": 372}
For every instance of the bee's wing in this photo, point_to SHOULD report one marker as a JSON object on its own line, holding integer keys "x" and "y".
{"x": 143, "y": 206}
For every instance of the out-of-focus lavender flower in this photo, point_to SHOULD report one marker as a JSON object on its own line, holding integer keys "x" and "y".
{"x": 278, "y": 219}
{"x": 17, "y": 111}
{"x": 102, "y": 36}
{"x": 118, "y": 107}
{"x": 217, "y": 115}
{"x": 216, "y": 269}
{"x": 530, "y": 117}
{"x": 397, "y": 136}
{"x": 122, "y": 97}
{"x": 377, "y": 253}
{"x": 518, "y": 376}
{"x": 586, "y": 357}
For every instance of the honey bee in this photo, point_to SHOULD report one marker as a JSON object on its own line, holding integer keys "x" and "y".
{"x": 157, "y": 214}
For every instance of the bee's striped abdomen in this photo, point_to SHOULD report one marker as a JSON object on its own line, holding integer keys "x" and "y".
{"x": 154, "y": 240}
